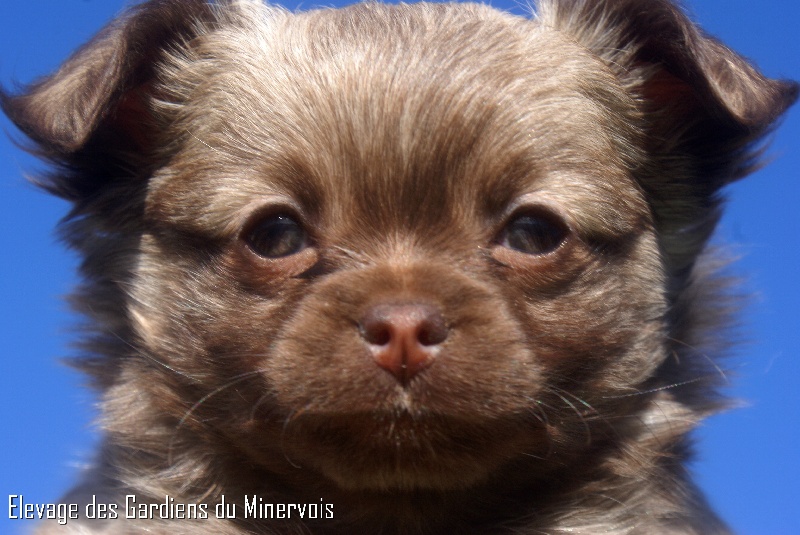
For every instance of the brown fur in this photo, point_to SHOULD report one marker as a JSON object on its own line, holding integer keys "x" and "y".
{"x": 404, "y": 139}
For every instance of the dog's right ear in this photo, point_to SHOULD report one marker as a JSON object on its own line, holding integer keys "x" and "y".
{"x": 95, "y": 106}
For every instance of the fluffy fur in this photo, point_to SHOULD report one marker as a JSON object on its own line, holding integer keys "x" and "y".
{"x": 554, "y": 388}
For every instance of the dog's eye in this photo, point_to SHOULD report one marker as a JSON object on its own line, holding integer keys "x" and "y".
{"x": 534, "y": 234}
{"x": 276, "y": 236}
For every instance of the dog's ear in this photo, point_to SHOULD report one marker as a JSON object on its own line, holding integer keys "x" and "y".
{"x": 654, "y": 45}
{"x": 95, "y": 105}
{"x": 704, "y": 107}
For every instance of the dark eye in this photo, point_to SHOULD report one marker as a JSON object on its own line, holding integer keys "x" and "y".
{"x": 276, "y": 236}
{"x": 534, "y": 234}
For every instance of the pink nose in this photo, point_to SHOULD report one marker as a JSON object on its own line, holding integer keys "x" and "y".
{"x": 404, "y": 338}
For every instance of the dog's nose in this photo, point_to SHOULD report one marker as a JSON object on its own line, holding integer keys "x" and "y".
{"x": 403, "y": 338}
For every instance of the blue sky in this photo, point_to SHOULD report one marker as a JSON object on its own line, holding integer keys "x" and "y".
{"x": 749, "y": 458}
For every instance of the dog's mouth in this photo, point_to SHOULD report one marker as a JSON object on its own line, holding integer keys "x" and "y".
{"x": 408, "y": 449}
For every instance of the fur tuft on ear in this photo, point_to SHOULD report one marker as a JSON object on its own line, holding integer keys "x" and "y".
{"x": 95, "y": 104}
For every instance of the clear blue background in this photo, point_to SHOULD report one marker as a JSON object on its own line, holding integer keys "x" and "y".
{"x": 749, "y": 458}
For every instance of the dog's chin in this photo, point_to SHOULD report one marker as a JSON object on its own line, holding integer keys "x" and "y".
{"x": 407, "y": 452}
{"x": 402, "y": 478}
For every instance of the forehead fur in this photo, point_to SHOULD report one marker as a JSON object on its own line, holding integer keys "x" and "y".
{"x": 393, "y": 113}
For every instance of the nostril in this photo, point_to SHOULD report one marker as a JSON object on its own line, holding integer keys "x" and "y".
{"x": 432, "y": 330}
{"x": 376, "y": 331}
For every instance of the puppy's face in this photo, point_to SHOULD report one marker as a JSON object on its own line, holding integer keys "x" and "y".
{"x": 398, "y": 266}
{"x": 399, "y": 247}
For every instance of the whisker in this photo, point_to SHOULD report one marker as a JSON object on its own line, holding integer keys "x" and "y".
{"x": 138, "y": 352}
{"x": 235, "y": 380}
{"x": 704, "y": 355}
{"x": 658, "y": 389}
{"x": 213, "y": 149}
{"x": 286, "y": 422}
{"x": 257, "y": 404}
{"x": 580, "y": 415}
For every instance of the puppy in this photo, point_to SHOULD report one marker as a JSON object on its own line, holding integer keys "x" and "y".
{"x": 415, "y": 269}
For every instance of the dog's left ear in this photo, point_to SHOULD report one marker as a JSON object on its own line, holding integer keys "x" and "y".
{"x": 661, "y": 56}
{"x": 704, "y": 107}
